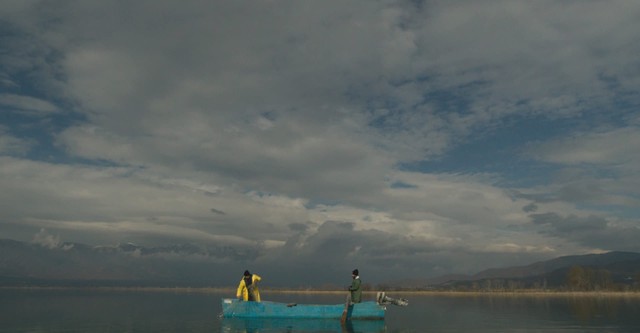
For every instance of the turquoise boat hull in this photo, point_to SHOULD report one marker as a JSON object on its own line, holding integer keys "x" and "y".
{"x": 233, "y": 308}
{"x": 300, "y": 325}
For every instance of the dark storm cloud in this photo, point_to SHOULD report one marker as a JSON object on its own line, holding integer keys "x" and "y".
{"x": 336, "y": 248}
{"x": 590, "y": 230}
{"x": 299, "y": 227}
{"x": 530, "y": 208}
{"x": 570, "y": 224}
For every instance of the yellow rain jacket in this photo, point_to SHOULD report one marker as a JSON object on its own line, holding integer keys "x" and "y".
{"x": 244, "y": 291}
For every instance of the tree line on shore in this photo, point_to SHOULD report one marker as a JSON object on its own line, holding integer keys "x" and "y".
{"x": 576, "y": 278}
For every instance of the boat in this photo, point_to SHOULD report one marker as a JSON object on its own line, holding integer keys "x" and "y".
{"x": 374, "y": 310}
{"x": 300, "y": 325}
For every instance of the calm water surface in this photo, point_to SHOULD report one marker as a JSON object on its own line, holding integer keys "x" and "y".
{"x": 108, "y": 311}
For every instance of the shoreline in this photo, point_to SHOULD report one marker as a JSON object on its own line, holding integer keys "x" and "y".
{"x": 214, "y": 290}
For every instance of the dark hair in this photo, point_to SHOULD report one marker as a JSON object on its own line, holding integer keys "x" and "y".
{"x": 355, "y": 272}
{"x": 246, "y": 273}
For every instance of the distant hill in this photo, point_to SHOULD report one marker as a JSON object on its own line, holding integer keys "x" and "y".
{"x": 189, "y": 265}
{"x": 24, "y": 263}
{"x": 549, "y": 266}
{"x": 553, "y": 272}
{"x": 623, "y": 267}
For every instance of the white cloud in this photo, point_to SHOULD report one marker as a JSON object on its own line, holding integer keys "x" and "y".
{"x": 27, "y": 104}
{"x": 610, "y": 147}
{"x": 223, "y": 118}
{"x": 600, "y": 167}
{"x": 10, "y": 144}
{"x": 46, "y": 240}
{"x": 516, "y": 248}
{"x": 124, "y": 201}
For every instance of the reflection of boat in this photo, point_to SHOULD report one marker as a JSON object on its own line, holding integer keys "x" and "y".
{"x": 241, "y": 309}
{"x": 234, "y": 325}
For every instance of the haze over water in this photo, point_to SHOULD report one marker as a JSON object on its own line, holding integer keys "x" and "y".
{"x": 109, "y": 311}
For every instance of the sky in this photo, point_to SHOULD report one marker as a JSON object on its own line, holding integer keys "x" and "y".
{"x": 409, "y": 139}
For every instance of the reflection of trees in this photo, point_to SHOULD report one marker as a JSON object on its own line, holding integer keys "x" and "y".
{"x": 588, "y": 308}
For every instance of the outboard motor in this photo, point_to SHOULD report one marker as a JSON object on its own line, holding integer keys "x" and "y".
{"x": 383, "y": 299}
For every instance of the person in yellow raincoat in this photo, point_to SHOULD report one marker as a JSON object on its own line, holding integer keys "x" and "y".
{"x": 248, "y": 287}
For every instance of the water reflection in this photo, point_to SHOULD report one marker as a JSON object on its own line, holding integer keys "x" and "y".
{"x": 261, "y": 325}
{"x": 588, "y": 309}
{"x": 72, "y": 311}
{"x": 487, "y": 313}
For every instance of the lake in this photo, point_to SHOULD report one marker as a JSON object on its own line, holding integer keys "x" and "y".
{"x": 146, "y": 311}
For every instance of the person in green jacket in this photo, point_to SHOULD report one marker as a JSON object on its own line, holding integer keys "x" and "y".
{"x": 356, "y": 287}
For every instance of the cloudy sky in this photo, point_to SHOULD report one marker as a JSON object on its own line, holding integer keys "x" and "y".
{"x": 405, "y": 138}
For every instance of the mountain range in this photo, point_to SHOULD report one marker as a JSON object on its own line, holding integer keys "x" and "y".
{"x": 623, "y": 267}
{"x": 66, "y": 264}
{"x": 24, "y": 263}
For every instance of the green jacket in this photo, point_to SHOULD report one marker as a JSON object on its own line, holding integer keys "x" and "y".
{"x": 356, "y": 290}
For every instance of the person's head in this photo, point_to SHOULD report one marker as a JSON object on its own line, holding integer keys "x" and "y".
{"x": 355, "y": 272}
{"x": 246, "y": 273}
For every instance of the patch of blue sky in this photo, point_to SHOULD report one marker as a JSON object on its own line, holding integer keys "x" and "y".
{"x": 39, "y": 82}
{"x": 40, "y": 131}
{"x": 500, "y": 151}
{"x": 456, "y": 100}
{"x": 401, "y": 185}
{"x": 624, "y": 98}
{"x": 391, "y": 116}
